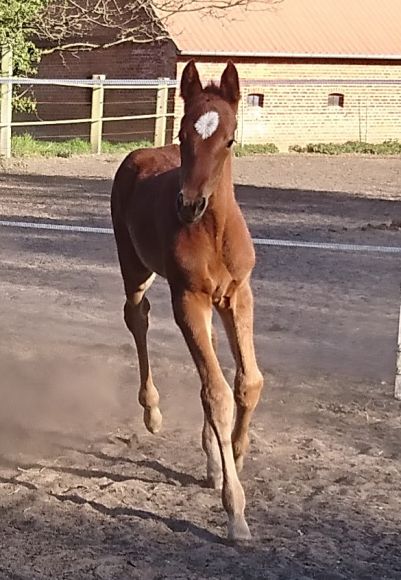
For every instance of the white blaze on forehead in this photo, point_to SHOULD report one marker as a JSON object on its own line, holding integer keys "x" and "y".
{"x": 207, "y": 124}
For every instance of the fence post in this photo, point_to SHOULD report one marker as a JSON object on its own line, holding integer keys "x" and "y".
{"x": 242, "y": 121}
{"x": 6, "y": 94}
{"x": 97, "y": 114}
{"x": 161, "y": 113}
{"x": 397, "y": 389}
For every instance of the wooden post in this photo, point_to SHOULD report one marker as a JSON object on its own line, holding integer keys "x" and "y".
{"x": 97, "y": 114}
{"x": 242, "y": 120}
{"x": 161, "y": 113}
{"x": 397, "y": 389}
{"x": 6, "y": 94}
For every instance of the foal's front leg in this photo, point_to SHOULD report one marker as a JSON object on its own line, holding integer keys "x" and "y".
{"x": 210, "y": 445}
{"x": 238, "y": 322}
{"x": 193, "y": 314}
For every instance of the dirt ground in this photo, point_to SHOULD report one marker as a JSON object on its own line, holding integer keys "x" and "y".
{"x": 86, "y": 492}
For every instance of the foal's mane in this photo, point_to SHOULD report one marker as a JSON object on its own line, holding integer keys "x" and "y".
{"x": 213, "y": 89}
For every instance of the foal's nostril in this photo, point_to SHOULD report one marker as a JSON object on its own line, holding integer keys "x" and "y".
{"x": 200, "y": 205}
{"x": 190, "y": 211}
{"x": 180, "y": 200}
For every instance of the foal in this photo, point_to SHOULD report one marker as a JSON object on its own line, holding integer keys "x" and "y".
{"x": 174, "y": 213}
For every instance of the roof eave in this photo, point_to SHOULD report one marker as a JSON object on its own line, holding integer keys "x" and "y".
{"x": 358, "y": 56}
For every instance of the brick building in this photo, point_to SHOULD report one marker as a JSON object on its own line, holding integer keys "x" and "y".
{"x": 122, "y": 61}
{"x": 311, "y": 71}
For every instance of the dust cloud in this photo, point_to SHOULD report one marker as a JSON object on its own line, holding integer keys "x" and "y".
{"x": 50, "y": 399}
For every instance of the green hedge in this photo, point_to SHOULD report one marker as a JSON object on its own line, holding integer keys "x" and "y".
{"x": 262, "y": 149}
{"x": 390, "y": 147}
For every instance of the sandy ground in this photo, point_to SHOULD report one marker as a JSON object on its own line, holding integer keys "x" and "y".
{"x": 86, "y": 492}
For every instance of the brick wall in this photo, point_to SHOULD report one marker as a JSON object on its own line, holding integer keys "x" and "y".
{"x": 128, "y": 61}
{"x": 299, "y": 113}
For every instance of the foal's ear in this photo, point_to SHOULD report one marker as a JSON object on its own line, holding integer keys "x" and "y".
{"x": 190, "y": 82}
{"x": 229, "y": 84}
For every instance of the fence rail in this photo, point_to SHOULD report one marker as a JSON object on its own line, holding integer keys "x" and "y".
{"x": 89, "y": 83}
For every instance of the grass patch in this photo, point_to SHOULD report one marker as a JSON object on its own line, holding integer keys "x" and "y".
{"x": 256, "y": 149}
{"x": 109, "y": 147}
{"x": 390, "y": 147}
{"x": 26, "y": 145}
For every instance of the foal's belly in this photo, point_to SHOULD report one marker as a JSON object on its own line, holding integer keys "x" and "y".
{"x": 148, "y": 247}
{"x": 152, "y": 221}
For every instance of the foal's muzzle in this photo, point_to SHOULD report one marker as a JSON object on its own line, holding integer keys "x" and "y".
{"x": 190, "y": 211}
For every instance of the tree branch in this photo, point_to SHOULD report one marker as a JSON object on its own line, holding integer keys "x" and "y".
{"x": 89, "y": 24}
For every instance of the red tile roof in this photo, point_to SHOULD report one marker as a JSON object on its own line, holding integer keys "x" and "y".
{"x": 320, "y": 28}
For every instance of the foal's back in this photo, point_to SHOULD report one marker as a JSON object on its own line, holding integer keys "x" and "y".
{"x": 137, "y": 169}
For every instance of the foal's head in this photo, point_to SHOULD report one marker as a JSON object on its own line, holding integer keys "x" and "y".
{"x": 206, "y": 136}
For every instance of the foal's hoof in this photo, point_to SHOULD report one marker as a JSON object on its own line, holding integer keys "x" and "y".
{"x": 152, "y": 419}
{"x": 214, "y": 482}
{"x": 238, "y": 530}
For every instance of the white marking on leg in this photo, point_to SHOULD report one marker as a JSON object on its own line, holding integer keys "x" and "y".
{"x": 207, "y": 124}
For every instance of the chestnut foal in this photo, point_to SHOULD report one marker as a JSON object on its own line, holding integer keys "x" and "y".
{"x": 174, "y": 213}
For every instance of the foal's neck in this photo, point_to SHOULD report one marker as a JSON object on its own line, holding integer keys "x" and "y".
{"x": 222, "y": 198}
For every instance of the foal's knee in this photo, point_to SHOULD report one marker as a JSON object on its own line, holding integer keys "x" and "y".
{"x": 247, "y": 389}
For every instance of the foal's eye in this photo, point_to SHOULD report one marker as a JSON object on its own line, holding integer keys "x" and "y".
{"x": 231, "y": 143}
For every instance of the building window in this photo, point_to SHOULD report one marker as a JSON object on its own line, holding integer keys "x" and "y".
{"x": 336, "y": 100}
{"x": 255, "y": 100}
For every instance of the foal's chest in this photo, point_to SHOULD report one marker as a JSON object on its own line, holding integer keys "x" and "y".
{"x": 210, "y": 268}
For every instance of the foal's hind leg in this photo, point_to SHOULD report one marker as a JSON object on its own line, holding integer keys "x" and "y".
{"x": 136, "y": 316}
{"x": 238, "y": 322}
{"x": 137, "y": 279}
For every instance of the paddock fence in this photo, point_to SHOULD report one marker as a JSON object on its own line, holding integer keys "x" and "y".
{"x": 151, "y": 101}
{"x": 361, "y": 106}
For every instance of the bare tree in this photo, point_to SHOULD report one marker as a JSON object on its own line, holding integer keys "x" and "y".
{"x": 89, "y": 24}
